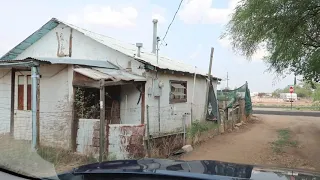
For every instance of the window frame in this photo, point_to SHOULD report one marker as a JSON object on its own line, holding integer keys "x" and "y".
{"x": 29, "y": 92}
{"x": 20, "y": 94}
{"x": 183, "y": 83}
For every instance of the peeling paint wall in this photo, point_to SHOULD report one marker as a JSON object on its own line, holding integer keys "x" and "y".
{"x": 125, "y": 140}
{"x": 5, "y": 100}
{"x": 130, "y": 108}
{"x": 172, "y": 114}
{"x": 86, "y": 133}
{"x": 83, "y": 47}
{"x": 55, "y": 106}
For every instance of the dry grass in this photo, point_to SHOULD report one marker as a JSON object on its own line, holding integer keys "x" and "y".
{"x": 163, "y": 147}
{"x": 64, "y": 159}
{"x": 17, "y": 155}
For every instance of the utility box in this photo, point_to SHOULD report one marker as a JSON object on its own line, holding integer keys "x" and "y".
{"x": 157, "y": 88}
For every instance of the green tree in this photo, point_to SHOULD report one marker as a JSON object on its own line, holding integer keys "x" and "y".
{"x": 288, "y": 29}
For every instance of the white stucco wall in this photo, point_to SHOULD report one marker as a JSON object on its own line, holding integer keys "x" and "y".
{"x": 5, "y": 100}
{"x": 83, "y": 47}
{"x": 55, "y": 107}
{"x": 55, "y": 104}
{"x": 56, "y": 88}
{"x": 172, "y": 114}
{"x": 130, "y": 111}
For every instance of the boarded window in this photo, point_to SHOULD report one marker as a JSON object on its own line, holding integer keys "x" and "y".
{"x": 29, "y": 93}
{"x": 20, "y": 92}
{"x": 178, "y": 92}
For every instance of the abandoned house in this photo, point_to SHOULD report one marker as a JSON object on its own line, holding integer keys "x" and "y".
{"x": 71, "y": 62}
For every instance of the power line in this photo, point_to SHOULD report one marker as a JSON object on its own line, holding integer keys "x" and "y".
{"x": 172, "y": 20}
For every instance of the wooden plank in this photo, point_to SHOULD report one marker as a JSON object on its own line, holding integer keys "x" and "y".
{"x": 116, "y": 83}
{"x": 143, "y": 101}
{"x": 74, "y": 124}
{"x": 13, "y": 81}
{"x": 86, "y": 84}
{"x": 102, "y": 121}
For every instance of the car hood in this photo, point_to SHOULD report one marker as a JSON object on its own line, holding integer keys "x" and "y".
{"x": 194, "y": 168}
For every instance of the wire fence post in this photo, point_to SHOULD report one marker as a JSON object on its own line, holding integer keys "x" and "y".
{"x": 148, "y": 134}
{"x": 184, "y": 128}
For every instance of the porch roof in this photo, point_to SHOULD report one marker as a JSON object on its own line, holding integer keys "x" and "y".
{"x": 30, "y": 61}
{"x": 108, "y": 74}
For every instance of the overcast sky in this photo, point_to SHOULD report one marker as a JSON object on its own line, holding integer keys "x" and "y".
{"x": 197, "y": 27}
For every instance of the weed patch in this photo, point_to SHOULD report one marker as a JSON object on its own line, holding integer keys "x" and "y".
{"x": 59, "y": 156}
{"x": 284, "y": 140}
{"x": 200, "y": 127}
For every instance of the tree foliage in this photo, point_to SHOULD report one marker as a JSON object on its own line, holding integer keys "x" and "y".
{"x": 288, "y": 29}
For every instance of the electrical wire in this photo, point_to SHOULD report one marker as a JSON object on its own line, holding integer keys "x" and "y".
{"x": 172, "y": 21}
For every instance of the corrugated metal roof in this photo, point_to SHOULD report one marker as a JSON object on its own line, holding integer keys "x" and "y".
{"x": 125, "y": 48}
{"x": 121, "y": 74}
{"x": 109, "y": 74}
{"x": 131, "y": 50}
{"x": 93, "y": 74}
{"x": 86, "y": 62}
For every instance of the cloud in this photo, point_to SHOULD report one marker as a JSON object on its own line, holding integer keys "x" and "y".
{"x": 197, "y": 52}
{"x": 160, "y": 18}
{"x": 258, "y": 55}
{"x": 158, "y": 12}
{"x": 202, "y": 12}
{"x": 106, "y": 15}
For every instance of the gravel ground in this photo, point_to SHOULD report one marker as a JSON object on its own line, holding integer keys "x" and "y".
{"x": 252, "y": 144}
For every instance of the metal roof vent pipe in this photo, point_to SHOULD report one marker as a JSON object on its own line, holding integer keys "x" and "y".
{"x": 154, "y": 39}
{"x": 139, "y": 46}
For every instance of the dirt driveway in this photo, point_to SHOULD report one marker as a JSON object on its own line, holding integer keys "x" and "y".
{"x": 282, "y": 141}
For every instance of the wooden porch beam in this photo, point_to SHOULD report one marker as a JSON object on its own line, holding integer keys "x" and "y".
{"x": 87, "y": 84}
{"x": 116, "y": 83}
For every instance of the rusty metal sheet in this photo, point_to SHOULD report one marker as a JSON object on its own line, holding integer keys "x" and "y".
{"x": 93, "y": 74}
{"x": 109, "y": 74}
{"x": 121, "y": 74}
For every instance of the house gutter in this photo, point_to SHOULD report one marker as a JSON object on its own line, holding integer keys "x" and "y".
{"x": 18, "y": 64}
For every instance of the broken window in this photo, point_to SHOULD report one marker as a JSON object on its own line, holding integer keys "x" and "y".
{"x": 178, "y": 92}
{"x": 20, "y": 92}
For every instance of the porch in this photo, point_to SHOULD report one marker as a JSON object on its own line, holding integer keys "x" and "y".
{"x": 117, "y": 96}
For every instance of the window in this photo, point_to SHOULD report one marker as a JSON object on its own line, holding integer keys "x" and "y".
{"x": 21, "y": 92}
{"x": 178, "y": 92}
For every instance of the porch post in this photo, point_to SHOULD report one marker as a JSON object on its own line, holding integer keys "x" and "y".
{"x": 34, "y": 76}
{"x": 13, "y": 81}
{"x": 102, "y": 120}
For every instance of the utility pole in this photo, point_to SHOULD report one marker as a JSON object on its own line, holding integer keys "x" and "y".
{"x": 228, "y": 80}
{"x": 208, "y": 83}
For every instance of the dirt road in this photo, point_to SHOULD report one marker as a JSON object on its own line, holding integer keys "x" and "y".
{"x": 255, "y": 143}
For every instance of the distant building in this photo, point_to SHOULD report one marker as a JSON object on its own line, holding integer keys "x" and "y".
{"x": 253, "y": 94}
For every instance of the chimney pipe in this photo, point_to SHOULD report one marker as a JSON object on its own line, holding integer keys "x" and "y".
{"x": 154, "y": 42}
{"x": 139, "y": 46}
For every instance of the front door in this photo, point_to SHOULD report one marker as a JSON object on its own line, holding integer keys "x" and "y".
{"x": 22, "y": 110}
